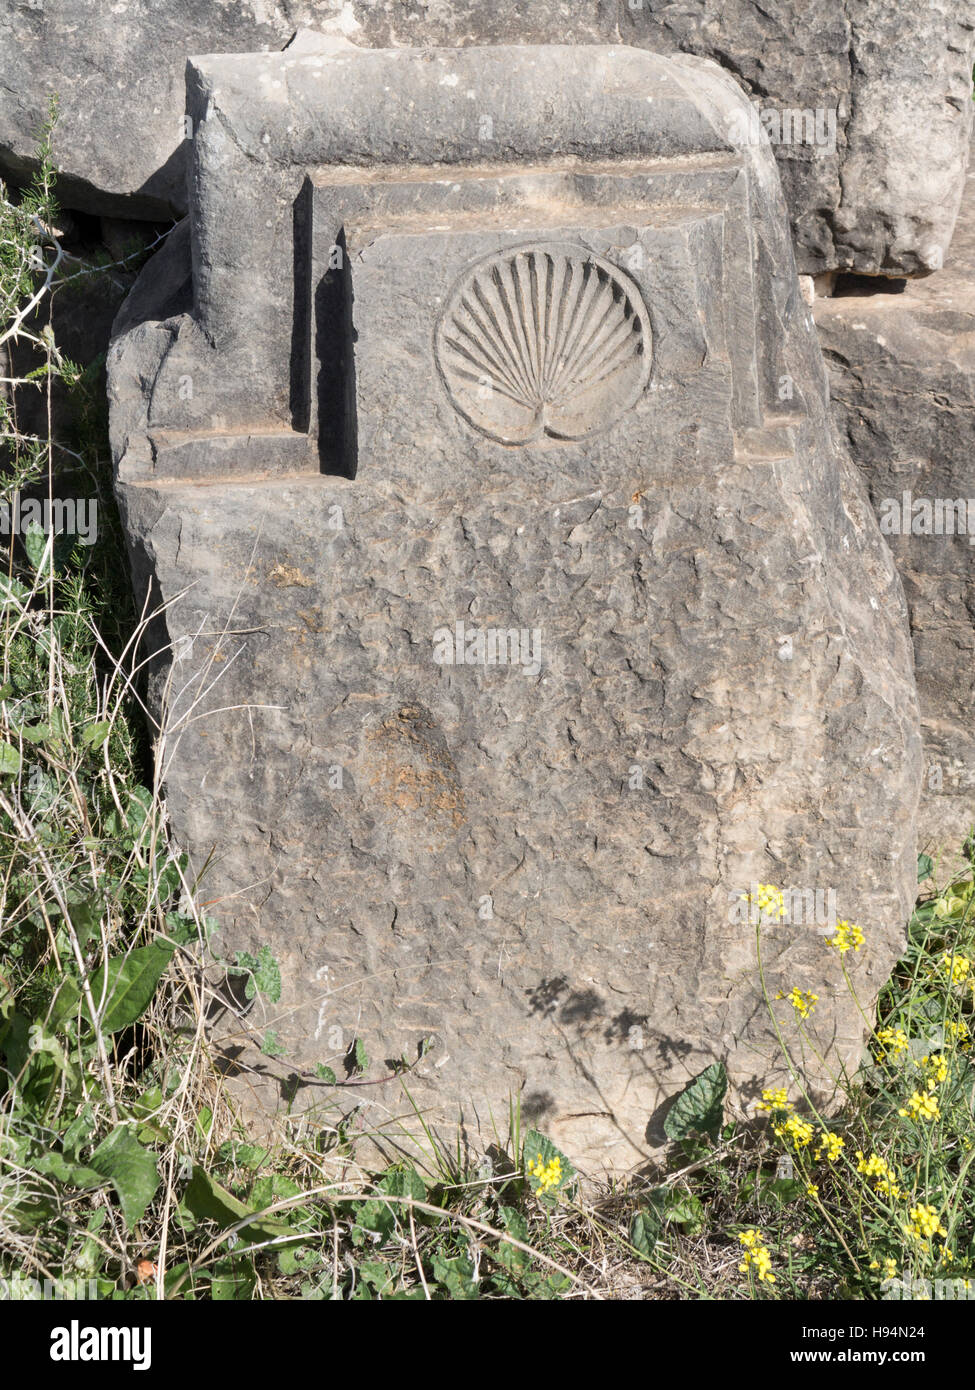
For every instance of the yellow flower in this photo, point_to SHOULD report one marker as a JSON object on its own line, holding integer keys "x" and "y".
{"x": 878, "y": 1168}
{"x": 777, "y": 1099}
{"x": 547, "y": 1175}
{"x": 769, "y": 900}
{"x": 756, "y": 1256}
{"x": 925, "y": 1221}
{"x": 802, "y": 1000}
{"x": 800, "y": 1132}
{"x": 956, "y": 968}
{"x": 889, "y": 1267}
{"x": 960, "y": 1033}
{"x": 921, "y": 1106}
{"x": 848, "y": 937}
{"x": 830, "y": 1147}
{"x": 893, "y": 1040}
{"x": 937, "y": 1068}
{"x": 874, "y": 1166}
{"x": 812, "y": 1189}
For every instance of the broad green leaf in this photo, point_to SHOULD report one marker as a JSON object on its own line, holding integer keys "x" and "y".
{"x": 205, "y": 1199}
{"x": 645, "y": 1227}
{"x": 267, "y": 976}
{"x": 55, "y": 1165}
{"x": 510, "y": 1256}
{"x": 925, "y": 867}
{"x": 361, "y": 1056}
{"x": 270, "y": 1045}
{"x": 272, "y": 1188}
{"x": 686, "y": 1211}
{"x": 148, "y": 1103}
{"x": 65, "y": 1006}
{"x": 699, "y": 1106}
{"x": 325, "y": 1073}
{"x": 263, "y": 972}
{"x": 131, "y": 1169}
{"x": 123, "y": 987}
{"x": 78, "y": 1133}
{"x": 242, "y": 1155}
{"x": 42, "y": 1041}
{"x": 375, "y": 1216}
{"x": 12, "y": 592}
{"x": 94, "y": 735}
{"x": 538, "y": 1148}
{"x": 647, "y": 1223}
{"x": 232, "y": 1279}
{"x": 39, "y": 548}
{"x": 406, "y": 1183}
{"x": 456, "y": 1276}
{"x": 86, "y": 914}
{"x": 10, "y": 760}
{"x": 36, "y": 733}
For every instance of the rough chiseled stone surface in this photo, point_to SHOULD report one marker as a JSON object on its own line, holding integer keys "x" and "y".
{"x": 708, "y": 676}
{"x": 902, "y": 371}
{"x": 880, "y": 196}
{"x": 898, "y": 76}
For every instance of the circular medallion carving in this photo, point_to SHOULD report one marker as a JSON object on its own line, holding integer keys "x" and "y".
{"x": 544, "y": 340}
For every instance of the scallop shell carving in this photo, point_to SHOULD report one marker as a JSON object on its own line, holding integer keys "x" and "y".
{"x": 544, "y": 340}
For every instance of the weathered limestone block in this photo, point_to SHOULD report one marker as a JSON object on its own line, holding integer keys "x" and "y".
{"x": 119, "y": 71}
{"x": 902, "y": 370}
{"x": 521, "y": 611}
{"x": 868, "y": 103}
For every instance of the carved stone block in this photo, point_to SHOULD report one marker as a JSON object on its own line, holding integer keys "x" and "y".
{"x": 522, "y": 612}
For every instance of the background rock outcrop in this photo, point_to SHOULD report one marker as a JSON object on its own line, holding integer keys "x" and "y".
{"x": 868, "y": 103}
{"x": 902, "y": 374}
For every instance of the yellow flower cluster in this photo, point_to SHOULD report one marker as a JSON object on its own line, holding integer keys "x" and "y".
{"x": 889, "y": 1267}
{"x": 547, "y": 1175}
{"x": 879, "y": 1169}
{"x": 925, "y": 1222}
{"x": 893, "y": 1040}
{"x": 775, "y": 1099}
{"x": 960, "y": 1032}
{"x": 922, "y": 1105}
{"x": 955, "y": 969}
{"x": 830, "y": 1147}
{"x": 802, "y": 1000}
{"x": 799, "y": 1131}
{"x": 848, "y": 937}
{"x": 936, "y": 1067}
{"x": 769, "y": 900}
{"x": 756, "y": 1256}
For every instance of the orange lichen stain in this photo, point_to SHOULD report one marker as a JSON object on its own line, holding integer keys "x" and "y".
{"x": 415, "y": 771}
{"x": 289, "y": 577}
{"x": 312, "y": 619}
